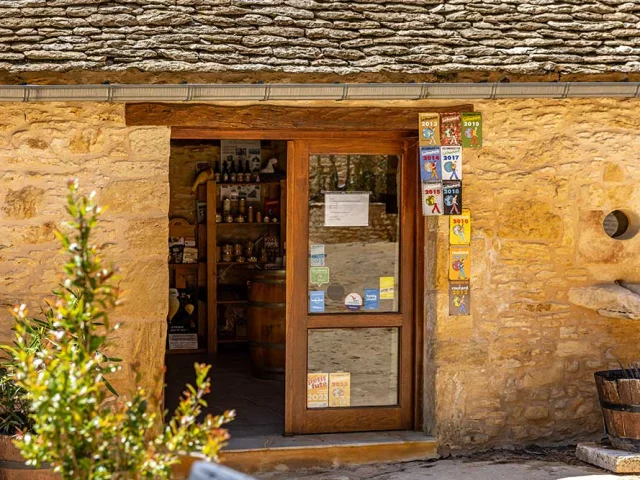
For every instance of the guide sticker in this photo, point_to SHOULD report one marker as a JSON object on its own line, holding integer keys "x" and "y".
{"x": 451, "y": 159}
{"x": 319, "y": 275}
{"x": 387, "y": 288}
{"x": 472, "y": 129}
{"x": 317, "y": 390}
{"x": 430, "y": 165}
{"x": 452, "y": 197}
{"x": 431, "y": 199}
{"x": 429, "y": 126}
{"x": 353, "y": 301}
{"x": 459, "y": 298}
{"x": 460, "y": 228}
{"x": 316, "y": 301}
{"x": 450, "y": 129}
{"x": 459, "y": 262}
{"x": 371, "y": 299}
{"x": 340, "y": 389}
{"x": 317, "y": 255}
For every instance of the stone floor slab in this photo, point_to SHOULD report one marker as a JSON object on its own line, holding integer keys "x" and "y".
{"x": 607, "y": 457}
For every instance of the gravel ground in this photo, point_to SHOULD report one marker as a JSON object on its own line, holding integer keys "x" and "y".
{"x": 529, "y": 464}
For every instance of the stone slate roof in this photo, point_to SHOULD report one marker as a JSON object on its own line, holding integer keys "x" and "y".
{"x": 528, "y": 37}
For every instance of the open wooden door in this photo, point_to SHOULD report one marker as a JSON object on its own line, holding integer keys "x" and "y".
{"x": 350, "y": 284}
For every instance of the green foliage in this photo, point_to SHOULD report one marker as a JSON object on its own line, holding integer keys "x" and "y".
{"x": 78, "y": 427}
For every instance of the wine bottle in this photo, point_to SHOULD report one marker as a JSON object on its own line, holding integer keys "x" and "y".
{"x": 216, "y": 172}
{"x": 225, "y": 172}
{"x": 232, "y": 173}
{"x": 247, "y": 171}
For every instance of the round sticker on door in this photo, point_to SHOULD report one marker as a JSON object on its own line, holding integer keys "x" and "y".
{"x": 353, "y": 301}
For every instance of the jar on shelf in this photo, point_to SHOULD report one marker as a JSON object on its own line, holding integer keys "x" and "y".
{"x": 242, "y": 208}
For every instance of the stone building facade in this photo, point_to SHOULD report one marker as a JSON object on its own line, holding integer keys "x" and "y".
{"x": 516, "y": 371}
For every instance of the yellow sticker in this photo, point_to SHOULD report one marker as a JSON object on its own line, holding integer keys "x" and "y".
{"x": 340, "y": 389}
{"x": 459, "y": 262}
{"x": 460, "y": 228}
{"x": 317, "y": 390}
{"x": 387, "y": 288}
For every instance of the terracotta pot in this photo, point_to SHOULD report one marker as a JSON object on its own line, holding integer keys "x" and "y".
{"x": 620, "y": 402}
{"x": 12, "y": 466}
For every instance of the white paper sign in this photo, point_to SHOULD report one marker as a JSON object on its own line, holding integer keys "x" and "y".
{"x": 183, "y": 341}
{"x": 346, "y": 209}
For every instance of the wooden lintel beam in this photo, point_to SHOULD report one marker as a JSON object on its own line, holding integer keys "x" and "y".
{"x": 271, "y": 117}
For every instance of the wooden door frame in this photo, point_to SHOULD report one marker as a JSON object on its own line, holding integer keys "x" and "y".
{"x": 205, "y": 131}
{"x": 298, "y": 418}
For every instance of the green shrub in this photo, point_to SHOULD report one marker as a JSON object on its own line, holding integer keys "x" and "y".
{"x": 79, "y": 428}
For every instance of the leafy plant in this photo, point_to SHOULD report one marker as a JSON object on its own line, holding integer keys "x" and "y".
{"x": 77, "y": 428}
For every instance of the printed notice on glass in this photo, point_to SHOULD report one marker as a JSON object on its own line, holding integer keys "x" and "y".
{"x": 346, "y": 209}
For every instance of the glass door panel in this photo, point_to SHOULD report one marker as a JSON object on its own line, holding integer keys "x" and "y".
{"x": 350, "y": 285}
{"x": 357, "y": 252}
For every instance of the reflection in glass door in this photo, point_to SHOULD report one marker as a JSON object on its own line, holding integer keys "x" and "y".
{"x": 350, "y": 322}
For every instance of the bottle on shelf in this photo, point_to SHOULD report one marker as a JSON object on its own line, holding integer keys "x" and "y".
{"x": 225, "y": 172}
{"x": 247, "y": 171}
{"x": 250, "y": 214}
{"x": 242, "y": 208}
{"x": 255, "y": 175}
{"x": 216, "y": 172}
{"x": 226, "y": 206}
{"x": 232, "y": 173}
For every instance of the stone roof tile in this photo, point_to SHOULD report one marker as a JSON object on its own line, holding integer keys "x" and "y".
{"x": 322, "y": 36}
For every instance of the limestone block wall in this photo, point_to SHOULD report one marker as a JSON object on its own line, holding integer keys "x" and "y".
{"x": 520, "y": 368}
{"x": 43, "y": 145}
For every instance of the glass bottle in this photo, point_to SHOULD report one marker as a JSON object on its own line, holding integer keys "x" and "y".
{"x": 232, "y": 173}
{"x": 247, "y": 171}
{"x": 242, "y": 208}
{"x": 225, "y": 172}
{"x": 250, "y": 214}
{"x": 216, "y": 172}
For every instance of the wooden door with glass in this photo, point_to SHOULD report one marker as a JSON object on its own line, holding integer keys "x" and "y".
{"x": 350, "y": 284}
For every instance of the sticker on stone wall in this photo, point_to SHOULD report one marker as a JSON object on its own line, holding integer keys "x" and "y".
{"x": 317, "y": 390}
{"x": 429, "y": 125}
{"x": 387, "y": 288}
{"x": 459, "y": 262}
{"x": 452, "y": 197}
{"x": 431, "y": 199}
{"x": 430, "y": 165}
{"x": 319, "y": 275}
{"x": 353, "y": 302}
{"x": 459, "y": 298}
{"x": 450, "y": 129}
{"x": 340, "y": 389}
{"x": 472, "y": 129}
{"x": 316, "y": 301}
{"x": 460, "y": 228}
{"x": 371, "y": 299}
{"x": 451, "y": 160}
{"x": 317, "y": 255}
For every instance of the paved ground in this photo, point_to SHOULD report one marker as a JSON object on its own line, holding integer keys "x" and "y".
{"x": 555, "y": 464}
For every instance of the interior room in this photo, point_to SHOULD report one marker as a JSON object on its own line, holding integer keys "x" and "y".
{"x": 227, "y": 277}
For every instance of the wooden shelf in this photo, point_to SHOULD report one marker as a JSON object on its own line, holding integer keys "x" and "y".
{"x": 184, "y": 265}
{"x": 266, "y": 224}
{"x": 242, "y": 263}
{"x": 233, "y": 340}
{"x": 229, "y": 184}
{"x": 232, "y": 302}
{"x": 186, "y": 351}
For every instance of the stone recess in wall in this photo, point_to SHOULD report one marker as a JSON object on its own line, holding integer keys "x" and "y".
{"x": 308, "y": 36}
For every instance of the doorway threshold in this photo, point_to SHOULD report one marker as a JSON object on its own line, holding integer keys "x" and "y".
{"x": 269, "y": 453}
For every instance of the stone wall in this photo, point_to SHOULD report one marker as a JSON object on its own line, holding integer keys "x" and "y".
{"x": 520, "y": 369}
{"x": 43, "y": 145}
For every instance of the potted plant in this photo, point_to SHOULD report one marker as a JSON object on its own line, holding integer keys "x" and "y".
{"x": 76, "y": 425}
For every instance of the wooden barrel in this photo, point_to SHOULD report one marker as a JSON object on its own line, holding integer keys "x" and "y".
{"x": 620, "y": 402}
{"x": 267, "y": 295}
{"x": 13, "y": 467}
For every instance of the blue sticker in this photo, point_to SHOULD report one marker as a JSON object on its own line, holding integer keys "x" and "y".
{"x": 316, "y": 301}
{"x": 371, "y": 299}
